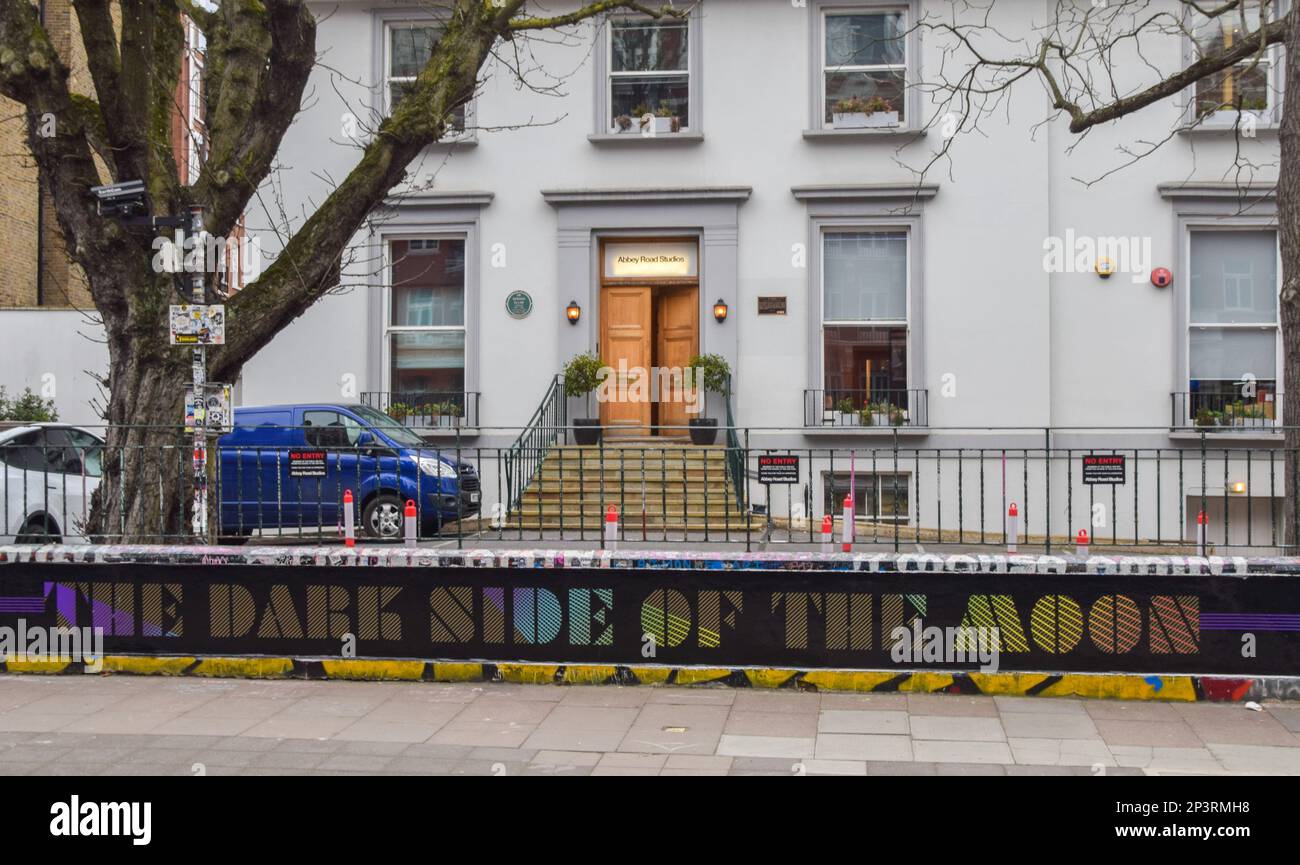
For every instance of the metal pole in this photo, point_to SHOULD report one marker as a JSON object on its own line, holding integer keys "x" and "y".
{"x": 199, "y": 519}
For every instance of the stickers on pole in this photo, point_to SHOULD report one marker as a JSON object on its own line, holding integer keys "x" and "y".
{"x": 215, "y": 407}
{"x": 198, "y": 324}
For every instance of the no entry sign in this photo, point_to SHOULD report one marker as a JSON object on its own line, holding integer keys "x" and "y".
{"x": 778, "y": 469}
{"x": 1104, "y": 469}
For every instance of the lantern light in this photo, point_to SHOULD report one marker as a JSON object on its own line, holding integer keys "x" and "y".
{"x": 720, "y": 311}
{"x": 573, "y": 312}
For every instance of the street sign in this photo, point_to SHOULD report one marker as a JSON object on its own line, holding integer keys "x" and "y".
{"x": 198, "y": 324}
{"x": 774, "y": 469}
{"x": 1105, "y": 469}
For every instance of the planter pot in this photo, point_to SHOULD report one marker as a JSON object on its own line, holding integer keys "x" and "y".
{"x": 448, "y": 421}
{"x": 830, "y": 417}
{"x": 880, "y": 418}
{"x": 850, "y": 418}
{"x": 704, "y": 430}
{"x": 661, "y": 126}
{"x": 586, "y": 431}
{"x": 858, "y": 120}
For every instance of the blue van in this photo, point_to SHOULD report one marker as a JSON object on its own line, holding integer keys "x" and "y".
{"x": 287, "y": 467}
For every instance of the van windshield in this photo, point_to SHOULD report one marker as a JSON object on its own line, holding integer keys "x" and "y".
{"x": 387, "y": 425}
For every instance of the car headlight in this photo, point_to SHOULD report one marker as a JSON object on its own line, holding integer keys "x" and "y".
{"x": 436, "y": 468}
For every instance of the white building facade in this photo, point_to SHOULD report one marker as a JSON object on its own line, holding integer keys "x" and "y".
{"x": 965, "y": 299}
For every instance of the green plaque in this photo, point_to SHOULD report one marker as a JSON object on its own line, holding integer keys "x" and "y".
{"x": 519, "y": 304}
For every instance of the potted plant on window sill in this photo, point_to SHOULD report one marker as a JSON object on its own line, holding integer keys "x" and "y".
{"x": 711, "y": 372}
{"x": 848, "y": 414}
{"x": 661, "y": 122}
{"x": 399, "y": 411}
{"x": 446, "y": 414}
{"x": 858, "y": 113}
{"x": 1208, "y": 418}
{"x": 582, "y": 375}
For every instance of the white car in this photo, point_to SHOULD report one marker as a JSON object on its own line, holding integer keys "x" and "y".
{"x": 49, "y": 472}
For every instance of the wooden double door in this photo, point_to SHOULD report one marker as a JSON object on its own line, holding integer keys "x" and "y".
{"x": 643, "y": 328}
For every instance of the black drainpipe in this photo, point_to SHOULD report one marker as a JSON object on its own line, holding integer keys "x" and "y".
{"x": 40, "y": 217}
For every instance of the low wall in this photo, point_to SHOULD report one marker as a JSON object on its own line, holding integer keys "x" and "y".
{"x": 1054, "y": 614}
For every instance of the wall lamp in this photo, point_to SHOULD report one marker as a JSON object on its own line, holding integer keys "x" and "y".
{"x": 573, "y": 312}
{"x": 720, "y": 311}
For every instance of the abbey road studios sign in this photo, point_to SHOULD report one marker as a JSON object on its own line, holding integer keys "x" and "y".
{"x": 651, "y": 260}
{"x": 1104, "y": 469}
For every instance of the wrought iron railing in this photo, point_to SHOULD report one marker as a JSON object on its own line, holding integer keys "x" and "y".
{"x": 524, "y": 458}
{"x": 1223, "y": 412}
{"x": 872, "y": 408}
{"x": 426, "y": 410}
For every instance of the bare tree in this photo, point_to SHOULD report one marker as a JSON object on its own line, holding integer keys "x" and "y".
{"x": 259, "y": 59}
{"x": 1085, "y": 56}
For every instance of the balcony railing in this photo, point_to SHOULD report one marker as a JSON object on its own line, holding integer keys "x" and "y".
{"x": 1218, "y": 412}
{"x": 865, "y": 408}
{"x": 426, "y": 410}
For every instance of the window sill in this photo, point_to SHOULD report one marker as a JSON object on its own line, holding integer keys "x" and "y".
{"x": 467, "y": 140}
{"x": 866, "y": 431}
{"x": 1243, "y": 435}
{"x": 1230, "y": 127}
{"x": 896, "y": 134}
{"x": 633, "y": 138}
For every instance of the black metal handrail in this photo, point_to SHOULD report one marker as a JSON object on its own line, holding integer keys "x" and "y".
{"x": 736, "y": 456}
{"x": 426, "y": 409}
{"x": 525, "y": 457}
{"x": 1226, "y": 412}
{"x": 855, "y": 408}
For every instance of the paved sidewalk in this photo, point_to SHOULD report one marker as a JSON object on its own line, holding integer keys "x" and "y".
{"x": 152, "y": 725}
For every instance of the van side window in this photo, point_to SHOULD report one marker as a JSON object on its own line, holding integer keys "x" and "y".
{"x": 330, "y": 429}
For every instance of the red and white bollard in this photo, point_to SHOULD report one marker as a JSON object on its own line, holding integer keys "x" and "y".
{"x": 410, "y": 522}
{"x": 828, "y": 534}
{"x": 846, "y": 541}
{"x": 611, "y": 527}
{"x": 1202, "y": 531}
{"x": 349, "y": 520}
{"x": 1081, "y": 543}
{"x": 1013, "y": 528}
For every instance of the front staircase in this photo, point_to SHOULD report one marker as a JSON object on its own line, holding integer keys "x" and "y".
{"x": 661, "y": 486}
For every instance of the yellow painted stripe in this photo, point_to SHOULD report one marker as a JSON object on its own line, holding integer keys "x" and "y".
{"x": 353, "y": 668}
{"x": 843, "y": 680}
{"x": 244, "y": 668}
{"x": 528, "y": 674}
{"x": 694, "y": 675}
{"x": 457, "y": 672}
{"x": 1091, "y": 685}
{"x": 769, "y": 678}
{"x": 588, "y": 675}
{"x": 147, "y": 666}
{"x": 43, "y": 667}
{"x": 654, "y": 675}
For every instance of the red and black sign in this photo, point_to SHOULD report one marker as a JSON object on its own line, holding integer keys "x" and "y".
{"x": 307, "y": 464}
{"x": 773, "y": 469}
{"x": 1105, "y": 469}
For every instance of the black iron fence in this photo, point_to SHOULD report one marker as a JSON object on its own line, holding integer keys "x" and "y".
{"x": 881, "y": 408}
{"x": 954, "y": 489}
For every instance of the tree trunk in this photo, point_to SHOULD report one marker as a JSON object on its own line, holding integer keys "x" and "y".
{"x": 145, "y": 493}
{"x": 1288, "y": 215}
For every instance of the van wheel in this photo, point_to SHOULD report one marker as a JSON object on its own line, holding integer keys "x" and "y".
{"x": 39, "y": 530}
{"x": 382, "y": 517}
